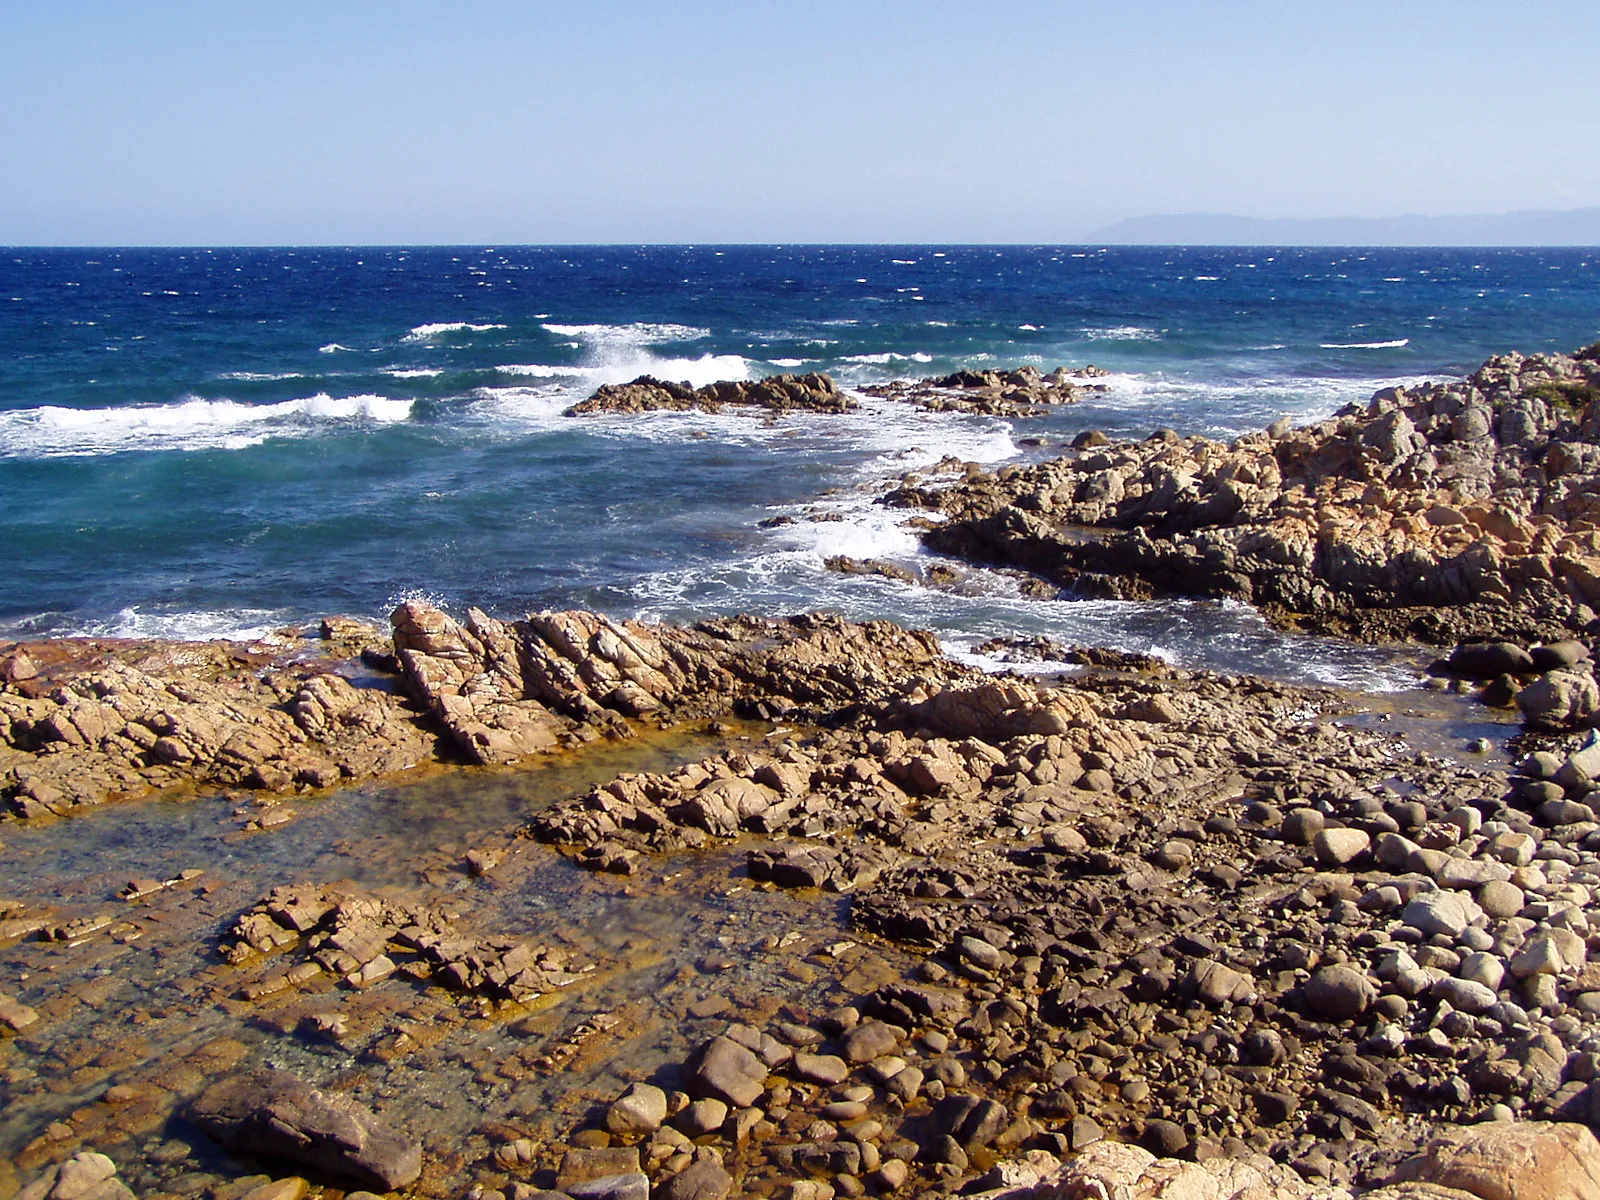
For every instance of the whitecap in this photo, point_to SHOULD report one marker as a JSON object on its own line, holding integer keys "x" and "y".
{"x": 640, "y": 333}
{"x": 193, "y": 424}
{"x": 413, "y": 372}
{"x": 887, "y": 357}
{"x": 790, "y": 363}
{"x": 334, "y": 348}
{"x": 422, "y": 333}
{"x": 1394, "y": 345}
{"x": 258, "y": 376}
{"x": 547, "y": 370}
{"x": 1121, "y": 333}
{"x": 1228, "y": 409}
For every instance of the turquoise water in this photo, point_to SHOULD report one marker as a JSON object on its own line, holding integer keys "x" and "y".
{"x": 197, "y": 443}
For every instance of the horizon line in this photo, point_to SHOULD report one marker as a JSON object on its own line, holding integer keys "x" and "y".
{"x": 778, "y": 245}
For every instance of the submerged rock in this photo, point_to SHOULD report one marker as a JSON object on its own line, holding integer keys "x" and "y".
{"x": 274, "y": 1115}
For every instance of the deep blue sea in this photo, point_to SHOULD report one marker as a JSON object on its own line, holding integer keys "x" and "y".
{"x": 199, "y": 443}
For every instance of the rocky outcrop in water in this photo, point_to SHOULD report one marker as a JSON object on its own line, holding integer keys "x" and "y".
{"x": 85, "y": 721}
{"x": 1436, "y": 512}
{"x": 363, "y": 940}
{"x": 89, "y": 721}
{"x": 508, "y": 689}
{"x": 774, "y": 394}
{"x": 1023, "y": 392}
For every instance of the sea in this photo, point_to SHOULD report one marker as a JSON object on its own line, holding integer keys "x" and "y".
{"x": 204, "y": 443}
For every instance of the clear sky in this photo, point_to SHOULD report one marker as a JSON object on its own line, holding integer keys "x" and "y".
{"x": 842, "y": 120}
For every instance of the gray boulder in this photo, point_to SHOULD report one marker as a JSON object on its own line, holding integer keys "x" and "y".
{"x": 1560, "y": 700}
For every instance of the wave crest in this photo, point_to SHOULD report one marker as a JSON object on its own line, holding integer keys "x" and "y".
{"x": 54, "y": 432}
{"x": 423, "y": 333}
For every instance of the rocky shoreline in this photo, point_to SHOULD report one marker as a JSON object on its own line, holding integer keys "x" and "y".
{"x": 1135, "y": 931}
{"x": 1150, "y": 906}
{"x": 1440, "y": 513}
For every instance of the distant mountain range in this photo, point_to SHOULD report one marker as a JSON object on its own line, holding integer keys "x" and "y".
{"x": 1534, "y": 227}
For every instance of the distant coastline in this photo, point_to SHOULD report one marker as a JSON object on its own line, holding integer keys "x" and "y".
{"x": 1533, "y": 227}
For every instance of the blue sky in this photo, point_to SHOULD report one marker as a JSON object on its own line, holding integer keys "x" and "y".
{"x": 406, "y": 122}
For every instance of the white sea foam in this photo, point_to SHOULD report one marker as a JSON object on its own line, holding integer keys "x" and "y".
{"x": 886, "y": 357}
{"x": 232, "y": 624}
{"x": 623, "y": 367}
{"x": 422, "y": 333}
{"x": 413, "y": 372}
{"x": 1121, "y": 333}
{"x": 790, "y": 363}
{"x": 1220, "y": 409}
{"x": 641, "y": 333}
{"x": 258, "y": 376}
{"x": 334, "y": 348}
{"x": 546, "y": 370}
{"x": 1394, "y": 345}
{"x": 53, "y": 432}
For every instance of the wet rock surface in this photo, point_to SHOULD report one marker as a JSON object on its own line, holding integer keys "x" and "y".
{"x": 1130, "y": 931}
{"x": 775, "y": 394}
{"x": 894, "y": 926}
{"x": 91, "y": 720}
{"x": 270, "y": 1114}
{"x": 1435, "y": 513}
{"x": 1017, "y": 393}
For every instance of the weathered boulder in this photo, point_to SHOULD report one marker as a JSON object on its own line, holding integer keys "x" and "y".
{"x": 1490, "y": 660}
{"x": 1561, "y": 700}
{"x": 641, "y": 1109}
{"x": 87, "y": 1175}
{"x": 1339, "y": 993}
{"x": 1115, "y": 1171}
{"x": 728, "y": 1071}
{"x": 1532, "y": 1160}
{"x": 1445, "y": 912}
{"x": 703, "y": 1180}
{"x": 274, "y": 1115}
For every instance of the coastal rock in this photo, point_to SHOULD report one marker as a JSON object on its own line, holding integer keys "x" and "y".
{"x": 1111, "y": 1169}
{"x": 1444, "y": 512}
{"x": 274, "y": 1115}
{"x": 87, "y": 1175}
{"x": 1339, "y": 993}
{"x": 1568, "y": 698}
{"x": 643, "y": 1109}
{"x": 1018, "y": 393}
{"x": 774, "y": 394}
{"x": 728, "y": 1071}
{"x": 1534, "y": 1160}
{"x": 704, "y": 1180}
{"x": 98, "y": 720}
